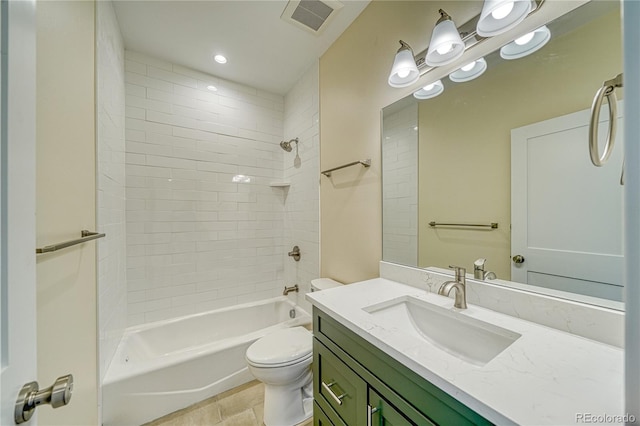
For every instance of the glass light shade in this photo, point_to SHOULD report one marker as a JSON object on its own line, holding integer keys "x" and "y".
{"x": 515, "y": 50}
{"x": 404, "y": 71}
{"x": 430, "y": 91}
{"x": 445, "y": 46}
{"x": 464, "y": 74}
{"x": 489, "y": 25}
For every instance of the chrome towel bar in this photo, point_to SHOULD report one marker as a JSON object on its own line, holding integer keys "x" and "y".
{"x": 365, "y": 163}
{"x": 85, "y": 236}
{"x": 492, "y": 225}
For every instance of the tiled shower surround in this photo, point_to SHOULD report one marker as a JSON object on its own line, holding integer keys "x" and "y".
{"x": 399, "y": 160}
{"x": 302, "y": 201}
{"x": 204, "y": 227}
{"x": 112, "y": 260}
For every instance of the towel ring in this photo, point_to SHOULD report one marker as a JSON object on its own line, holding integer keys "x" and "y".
{"x": 607, "y": 90}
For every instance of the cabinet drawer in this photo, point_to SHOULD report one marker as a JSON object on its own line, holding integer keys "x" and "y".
{"x": 337, "y": 388}
{"x": 382, "y": 412}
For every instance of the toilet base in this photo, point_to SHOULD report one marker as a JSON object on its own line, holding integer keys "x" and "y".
{"x": 287, "y": 405}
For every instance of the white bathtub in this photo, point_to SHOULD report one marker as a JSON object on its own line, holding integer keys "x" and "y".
{"x": 162, "y": 367}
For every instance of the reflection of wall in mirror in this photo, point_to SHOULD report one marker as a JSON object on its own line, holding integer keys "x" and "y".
{"x": 400, "y": 186}
{"x": 464, "y": 155}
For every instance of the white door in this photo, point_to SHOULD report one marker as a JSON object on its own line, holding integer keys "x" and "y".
{"x": 17, "y": 203}
{"x": 566, "y": 214}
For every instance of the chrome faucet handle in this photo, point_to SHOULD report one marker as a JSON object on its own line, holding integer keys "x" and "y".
{"x": 478, "y": 268}
{"x": 460, "y": 273}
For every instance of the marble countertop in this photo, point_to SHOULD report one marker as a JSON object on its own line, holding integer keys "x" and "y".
{"x": 546, "y": 377}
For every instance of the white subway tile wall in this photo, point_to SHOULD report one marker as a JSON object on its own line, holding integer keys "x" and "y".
{"x": 302, "y": 198}
{"x": 110, "y": 107}
{"x": 204, "y": 227}
{"x": 400, "y": 187}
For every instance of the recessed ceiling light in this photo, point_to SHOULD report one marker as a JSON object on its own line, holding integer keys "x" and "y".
{"x": 220, "y": 59}
{"x": 212, "y": 88}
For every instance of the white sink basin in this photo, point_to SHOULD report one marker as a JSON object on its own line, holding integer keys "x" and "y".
{"x": 467, "y": 338}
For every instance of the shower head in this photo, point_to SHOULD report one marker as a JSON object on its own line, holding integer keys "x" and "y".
{"x": 286, "y": 145}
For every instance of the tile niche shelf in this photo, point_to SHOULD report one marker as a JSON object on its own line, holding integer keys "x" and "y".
{"x": 280, "y": 184}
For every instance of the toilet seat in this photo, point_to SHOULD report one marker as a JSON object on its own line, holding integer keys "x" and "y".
{"x": 281, "y": 348}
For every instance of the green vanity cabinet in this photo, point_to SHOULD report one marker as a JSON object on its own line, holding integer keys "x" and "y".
{"x": 319, "y": 417}
{"x": 356, "y": 384}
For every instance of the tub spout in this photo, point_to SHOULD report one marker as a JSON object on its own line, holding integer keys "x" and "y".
{"x": 288, "y": 290}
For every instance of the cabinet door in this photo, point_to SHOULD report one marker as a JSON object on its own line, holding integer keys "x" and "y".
{"x": 382, "y": 413}
{"x": 337, "y": 389}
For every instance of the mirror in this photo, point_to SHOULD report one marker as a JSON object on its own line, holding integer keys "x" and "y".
{"x": 511, "y": 148}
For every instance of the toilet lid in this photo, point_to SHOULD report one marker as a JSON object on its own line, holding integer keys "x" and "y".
{"x": 281, "y": 347}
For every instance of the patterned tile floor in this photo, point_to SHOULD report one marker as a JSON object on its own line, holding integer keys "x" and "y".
{"x": 242, "y": 406}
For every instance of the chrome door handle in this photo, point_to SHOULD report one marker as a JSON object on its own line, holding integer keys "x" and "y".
{"x": 336, "y": 398}
{"x": 30, "y": 397}
{"x": 518, "y": 259}
{"x": 370, "y": 411}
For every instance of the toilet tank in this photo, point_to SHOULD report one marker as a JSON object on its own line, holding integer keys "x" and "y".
{"x": 323, "y": 283}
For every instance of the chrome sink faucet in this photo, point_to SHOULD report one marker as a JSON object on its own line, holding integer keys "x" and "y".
{"x": 479, "y": 273}
{"x": 459, "y": 284}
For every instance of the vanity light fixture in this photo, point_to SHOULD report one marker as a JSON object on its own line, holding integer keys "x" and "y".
{"x": 404, "y": 71}
{"x": 470, "y": 71}
{"x": 430, "y": 91}
{"x": 446, "y": 44}
{"x": 499, "y": 16}
{"x": 527, "y": 44}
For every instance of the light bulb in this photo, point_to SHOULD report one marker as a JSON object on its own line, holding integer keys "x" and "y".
{"x": 469, "y": 66}
{"x": 429, "y": 87}
{"x": 445, "y": 48}
{"x": 220, "y": 59}
{"x": 525, "y": 38}
{"x": 403, "y": 73}
{"x": 502, "y": 11}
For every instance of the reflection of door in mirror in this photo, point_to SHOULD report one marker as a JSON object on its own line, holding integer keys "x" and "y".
{"x": 566, "y": 214}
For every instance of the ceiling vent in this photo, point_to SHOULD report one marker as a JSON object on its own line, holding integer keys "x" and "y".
{"x": 311, "y": 15}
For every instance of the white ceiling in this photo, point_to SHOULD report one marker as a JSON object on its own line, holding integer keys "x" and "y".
{"x": 263, "y": 51}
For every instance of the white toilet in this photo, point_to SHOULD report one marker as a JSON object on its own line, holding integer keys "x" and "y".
{"x": 282, "y": 361}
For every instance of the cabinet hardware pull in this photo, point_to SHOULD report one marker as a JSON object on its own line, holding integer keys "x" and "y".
{"x": 370, "y": 411}
{"x": 336, "y": 398}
